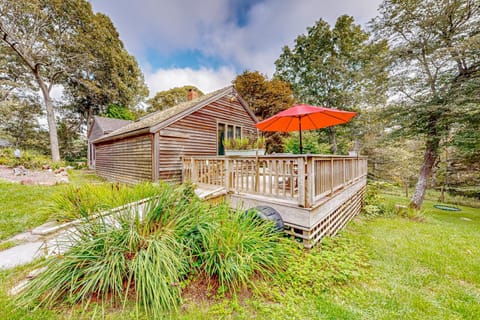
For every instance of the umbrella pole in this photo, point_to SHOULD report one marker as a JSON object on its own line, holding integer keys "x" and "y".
{"x": 300, "y": 127}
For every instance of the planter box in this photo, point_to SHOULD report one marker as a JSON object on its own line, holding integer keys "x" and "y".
{"x": 252, "y": 152}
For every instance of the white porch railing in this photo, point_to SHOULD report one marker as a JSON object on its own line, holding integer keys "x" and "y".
{"x": 303, "y": 179}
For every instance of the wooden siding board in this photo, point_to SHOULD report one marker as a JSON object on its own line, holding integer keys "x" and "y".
{"x": 128, "y": 160}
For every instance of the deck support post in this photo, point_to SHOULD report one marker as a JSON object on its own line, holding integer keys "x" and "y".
{"x": 257, "y": 174}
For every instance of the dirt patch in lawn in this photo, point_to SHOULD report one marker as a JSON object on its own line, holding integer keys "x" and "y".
{"x": 35, "y": 177}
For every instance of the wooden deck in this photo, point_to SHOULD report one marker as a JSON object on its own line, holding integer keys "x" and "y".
{"x": 315, "y": 195}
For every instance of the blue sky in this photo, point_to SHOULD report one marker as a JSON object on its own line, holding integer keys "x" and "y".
{"x": 207, "y": 43}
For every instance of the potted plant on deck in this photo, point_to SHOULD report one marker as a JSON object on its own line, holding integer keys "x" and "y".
{"x": 245, "y": 146}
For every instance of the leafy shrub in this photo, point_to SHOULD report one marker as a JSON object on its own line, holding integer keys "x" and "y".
{"x": 467, "y": 192}
{"x": 29, "y": 159}
{"x": 310, "y": 144}
{"x": 375, "y": 204}
{"x": 145, "y": 253}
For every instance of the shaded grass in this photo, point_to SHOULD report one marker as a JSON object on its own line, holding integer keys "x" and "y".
{"x": 378, "y": 268}
{"x": 20, "y": 207}
{"x": 21, "y": 204}
{"x": 432, "y": 195}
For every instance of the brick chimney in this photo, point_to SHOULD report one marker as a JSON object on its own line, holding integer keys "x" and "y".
{"x": 192, "y": 94}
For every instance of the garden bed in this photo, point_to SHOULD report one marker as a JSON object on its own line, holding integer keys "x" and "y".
{"x": 34, "y": 177}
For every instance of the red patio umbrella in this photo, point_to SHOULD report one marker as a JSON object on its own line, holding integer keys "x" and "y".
{"x": 304, "y": 117}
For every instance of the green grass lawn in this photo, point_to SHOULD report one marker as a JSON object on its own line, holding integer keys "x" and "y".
{"x": 21, "y": 205}
{"x": 377, "y": 268}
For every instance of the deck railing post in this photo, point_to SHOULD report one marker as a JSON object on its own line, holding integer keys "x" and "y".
{"x": 309, "y": 183}
{"x": 227, "y": 174}
{"x": 257, "y": 174}
{"x": 331, "y": 176}
{"x": 301, "y": 182}
{"x": 194, "y": 173}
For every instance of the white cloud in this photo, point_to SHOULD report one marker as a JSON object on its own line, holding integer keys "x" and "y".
{"x": 163, "y": 25}
{"x": 57, "y": 93}
{"x": 273, "y": 24}
{"x": 207, "y": 80}
{"x": 210, "y": 27}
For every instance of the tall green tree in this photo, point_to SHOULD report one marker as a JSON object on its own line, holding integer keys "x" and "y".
{"x": 265, "y": 98}
{"x": 335, "y": 67}
{"x": 19, "y": 119}
{"x": 58, "y": 42}
{"x": 435, "y": 71}
{"x": 169, "y": 98}
{"x": 112, "y": 76}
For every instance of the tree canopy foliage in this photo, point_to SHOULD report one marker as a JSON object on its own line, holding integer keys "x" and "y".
{"x": 55, "y": 42}
{"x": 435, "y": 71}
{"x": 169, "y": 98}
{"x": 119, "y": 112}
{"x": 335, "y": 67}
{"x": 265, "y": 98}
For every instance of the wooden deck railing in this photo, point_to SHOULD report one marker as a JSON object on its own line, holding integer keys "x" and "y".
{"x": 302, "y": 179}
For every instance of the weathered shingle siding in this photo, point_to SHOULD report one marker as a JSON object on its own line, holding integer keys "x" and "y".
{"x": 199, "y": 131}
{"x": 128, "y": 160}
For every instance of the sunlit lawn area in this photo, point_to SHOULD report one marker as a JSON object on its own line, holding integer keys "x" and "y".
{"x": 403, "y": 269}
{"x": 384, "y": 267}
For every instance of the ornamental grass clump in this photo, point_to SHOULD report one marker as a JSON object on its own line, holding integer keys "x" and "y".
{"x": 76, "y": 202}
{"x": 144, "y": 253}
{"x": 135, "y": 254}
{"x": 242, "y": 245}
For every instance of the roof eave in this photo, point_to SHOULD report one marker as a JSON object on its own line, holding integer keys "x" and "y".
{"x": 189, "y": 111}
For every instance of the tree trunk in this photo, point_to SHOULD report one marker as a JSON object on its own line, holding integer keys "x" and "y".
{"x": 429, "y": 158}
{"x": 52, "y": 126}
{"x": 333, "y": 140}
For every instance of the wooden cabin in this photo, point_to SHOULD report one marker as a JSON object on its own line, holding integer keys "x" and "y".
{"x": 314, "y": 195}
{"x": 100, "y": 127}
{"x": 153, "y": 147}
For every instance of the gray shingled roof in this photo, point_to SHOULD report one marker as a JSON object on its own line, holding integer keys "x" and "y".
{"x": 158, "y": 117}
{"x": 110, "y": 124}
